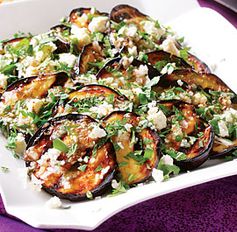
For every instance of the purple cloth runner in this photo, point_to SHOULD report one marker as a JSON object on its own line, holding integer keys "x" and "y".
{"x": 207, "y": 207}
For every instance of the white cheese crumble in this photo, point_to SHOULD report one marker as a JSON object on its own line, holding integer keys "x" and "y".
{"x": 102, "y": 110}
{"x": 54, "y": 203}
{"x": 167, "y": 160}
{"x": 169, "y": 68}
{"x": 156, "y": 116}
{"x": 34, "y": 105}
{"x": 20, "y": 144}
{"x": 99, "y": 24}
{"x": 199, "y": 99}
{"x": 128, "y": 127}
{"x": 97, "y": 132}
{"x": 129, "y": 30}
{"x": 157, "y": 175}
{"x": 10, "y": 97}
{"x": 151, "y": 29}
{"x": 68, "y": 59}
{"x": 3, "y": 81}
{"x": 82, "y": 34}
{"x": 180, "y": 82}
{"x": 168, "y": 45}
{"x": 223, "y": 130}
{"x": 114, "y": 184}
{"x": 141, "y": 71}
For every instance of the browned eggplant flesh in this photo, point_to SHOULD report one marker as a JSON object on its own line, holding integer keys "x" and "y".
{"x": 137, "y": 152}
{"x": 64, "y": 156}
{"x": 189, "y": 139}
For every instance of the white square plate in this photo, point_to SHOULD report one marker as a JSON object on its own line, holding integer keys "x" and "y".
{"x": 212, "y": 38}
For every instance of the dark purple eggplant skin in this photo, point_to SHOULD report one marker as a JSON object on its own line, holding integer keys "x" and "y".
{"x": 191, "y": 164}
{"x": 62, "y": 46}
{"x": 98, "y": 191}
{"x": 15, "y": 40}
{"x": 125, "y": 12}
{"x": 224, "y": 153}
{"x": 152, "y": 72}
{"x": 59, "y": 28}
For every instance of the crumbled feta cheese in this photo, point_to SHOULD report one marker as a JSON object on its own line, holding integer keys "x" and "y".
{"x": 156, "y": 116}
{"x": 129, "y": 30}
{"x": 169, "y": 68}
{"x": 34, "y": 105}
{"x": 102, "y": 110}
{"x": 82, "y": 34}
{"x": 167, "y": 160}
{"x": 3, "y": 81}
{"x": 20, "y": 144}
{"x": 157, "y": 175}
{"x": 114, "y": 184}
{"x": 39, "y": 56}
{"x": 151, "y": 29}
{"x": 223, "y": 130}
{"x": 199, "y": 99}
{"x": 132, "y": 51}
{"x": 185, "y": 143}
{"x": 141, "y": 71}
{"x": 168, "y": 45}
{"x": 54, "y": 203}
{"x": 68, "y": 59}
{"x": 180, "y": 82}
{"x": 10, "y": 97}
{"x": 128, "y": 127}
{"x": 99, "y": 24}
{"x": 97, "y": 132}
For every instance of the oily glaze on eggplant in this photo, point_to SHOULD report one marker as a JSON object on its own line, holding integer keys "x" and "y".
{"x": 37, "y": 86}
{"x": 133, "y": 169}
{"x": 185, "y": 118}
{"x": 198, "y": 65}
{"x": 205, "y": 81}
{"x": 125, "y": 12}
{"x": 165, "y": 57}
{"x": 91, "y": 55}
{"x": 83, "y": 99}
{"x": 71, "y": 181}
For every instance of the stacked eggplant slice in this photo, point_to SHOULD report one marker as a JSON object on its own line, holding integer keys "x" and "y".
{"x": 103, "y": 102}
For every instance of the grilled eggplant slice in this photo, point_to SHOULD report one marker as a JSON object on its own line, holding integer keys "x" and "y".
{"x": 90, "y": 59}
{"x": 160, "y": 58}
{"x": 37, "y": 86}
{"x": 205, "y": 81}
{"x": 125, "y": 12}
{"x": 95, "y": 100}
{"x": 189, "y": 139}
{"x": 67, "y": 162}
{"x": 134, "y": 165}
{"x": 198, "y": 65}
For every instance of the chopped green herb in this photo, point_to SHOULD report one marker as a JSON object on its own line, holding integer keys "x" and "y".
{"x": 60, "y": 145}
{"x": 82, "y": 168}
{"x": 98, "y": 169}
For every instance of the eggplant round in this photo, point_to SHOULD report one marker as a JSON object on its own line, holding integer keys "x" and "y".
{"x": 36, "y": 86}
{"x": 71, "y": 163}
{"x": 125, "y": 12}
{"x": 205, "y": 81}
{"x": 133, "y": 167}
{"x": 184, "y": 121}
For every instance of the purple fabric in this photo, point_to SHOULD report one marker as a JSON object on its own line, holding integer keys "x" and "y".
{"x": 207, "y": 207}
